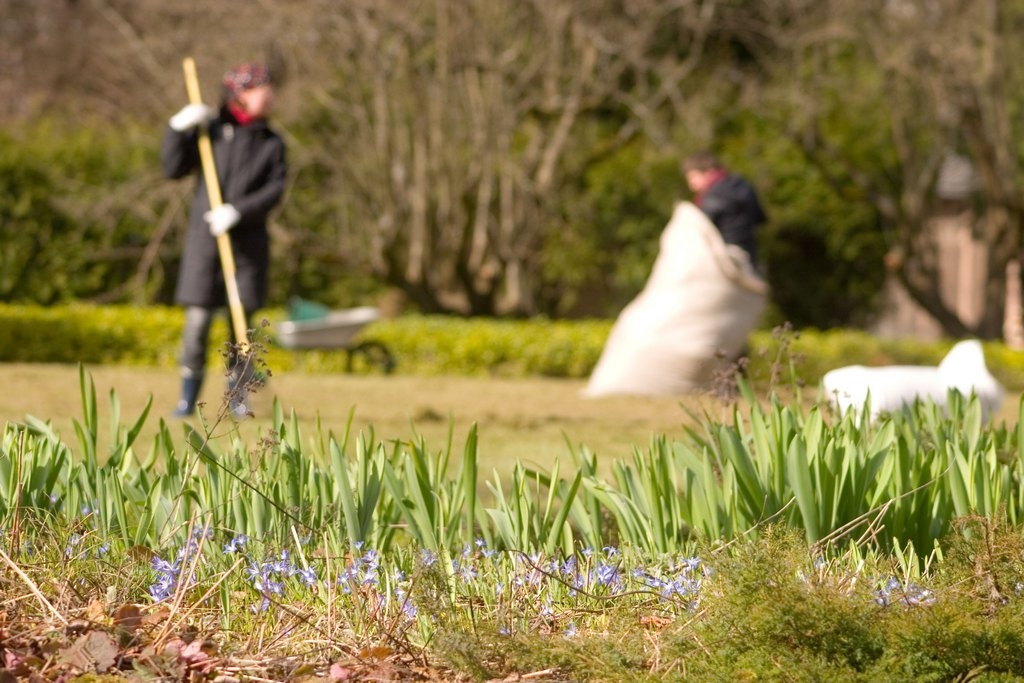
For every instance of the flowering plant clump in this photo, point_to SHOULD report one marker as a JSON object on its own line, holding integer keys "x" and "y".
{"x": 167, "y": 578}
{"x": 517, "y": 592}
{"x": 892, "y": 590}
{"x": 358, "y": 610}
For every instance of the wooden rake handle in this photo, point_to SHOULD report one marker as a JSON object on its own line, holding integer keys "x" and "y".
{"x": 227, "y": 257}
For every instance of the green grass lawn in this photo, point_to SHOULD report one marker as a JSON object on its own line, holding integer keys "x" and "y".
{"x": 529, "y": 419}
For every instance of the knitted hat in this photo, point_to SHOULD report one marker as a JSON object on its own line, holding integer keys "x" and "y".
{"x": 246, "y": 77}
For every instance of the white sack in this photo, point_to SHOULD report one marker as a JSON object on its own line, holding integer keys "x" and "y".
{"x": 897, "y": 386}
{"x": 692, "y": 318}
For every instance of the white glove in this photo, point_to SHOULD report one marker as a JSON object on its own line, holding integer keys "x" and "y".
{"x": 192, "y": 115}
{"x": 222, "y": 219}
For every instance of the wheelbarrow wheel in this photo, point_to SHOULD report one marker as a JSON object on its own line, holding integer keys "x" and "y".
{"x": 370, "y": 354}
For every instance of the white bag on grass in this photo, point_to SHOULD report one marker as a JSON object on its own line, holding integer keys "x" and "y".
{"x": 896, "y": 386}
{"x": 692, "y": 318}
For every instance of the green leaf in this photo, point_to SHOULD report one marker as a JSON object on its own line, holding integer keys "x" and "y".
{"x": 800, "y": 477}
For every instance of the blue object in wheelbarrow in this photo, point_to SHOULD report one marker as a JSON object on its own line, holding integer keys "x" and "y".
{"x": 317, "y": 327}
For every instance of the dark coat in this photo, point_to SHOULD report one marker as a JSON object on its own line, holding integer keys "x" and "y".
{"x": 250, "y": 163}
{"x": 733, "y": 206}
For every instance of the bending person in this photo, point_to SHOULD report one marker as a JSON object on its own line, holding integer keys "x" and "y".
{"x": 729, "y": 200}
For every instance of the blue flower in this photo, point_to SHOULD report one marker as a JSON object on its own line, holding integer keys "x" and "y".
{"x": 166, "y": 578}
{"x": 307, "y": 576}
{"x": 235, "y": 544}
{"x": 163, "y": 588}
{"x": 371, "y": 559}
{"x": 679, "y": 587}
{"x": 913, "y": 595}
{"x": 691, "y": 563}
{"x": 190, "y": 548}
{"x": 409, "y": 610}
{"x": 467, "y": 572}
{"x": 165, "y": 567}
{"x": 918, "y": 596}
{"x": 284, "y": 565}
{"x": 607, "y": 575}
{"x": 428, "y": 557}
{"x": 571, "y": 631}
{"x": 254, "y": 570}
{"x": 73, "y": 542}
{"x": 370, "y": 577}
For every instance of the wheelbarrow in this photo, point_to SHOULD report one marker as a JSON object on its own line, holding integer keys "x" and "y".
{"x": 314, "y": 326}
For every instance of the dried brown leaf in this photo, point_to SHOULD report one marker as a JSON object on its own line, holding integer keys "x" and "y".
{"x": 95, "y": 651}
{"x": 156, "y": 616}
{"x": 19, "y": 662}
{"x": 128, "y": 617}
{"x": 376, "y": 652}
{"x": 337, "y": 672}
{"x": 655, "y": 622}
{"x": 96, "y": 611}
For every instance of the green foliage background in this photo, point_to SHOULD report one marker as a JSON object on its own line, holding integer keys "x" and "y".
{"x": 435, "y": 345}
{"x": 78, "y": 205}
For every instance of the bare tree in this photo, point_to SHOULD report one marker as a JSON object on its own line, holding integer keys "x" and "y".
{"x": 457, "y": 124}
{"x": 451, "y": 121}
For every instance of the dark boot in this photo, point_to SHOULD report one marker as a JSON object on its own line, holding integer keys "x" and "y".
{"x": 189, "y": 395}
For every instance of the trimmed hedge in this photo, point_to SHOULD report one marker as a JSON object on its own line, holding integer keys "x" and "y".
{"x": 89, "y": 334}
{"x": 438, "y": 345}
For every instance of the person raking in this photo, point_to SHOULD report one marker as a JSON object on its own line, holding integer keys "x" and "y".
{"x": 250, "y": 161}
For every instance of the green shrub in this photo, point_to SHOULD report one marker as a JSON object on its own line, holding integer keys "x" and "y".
{"x": 436, "y": 345}
{"x": 774, "y": 609}
{"x": 811, "y": 353}
{"x": 35, "y": 260}
{"x": 77, "y": 210}
{"x": 776, "y": 613}
{"x": 88, "y": 334}
{"x": 439, "y": 345}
